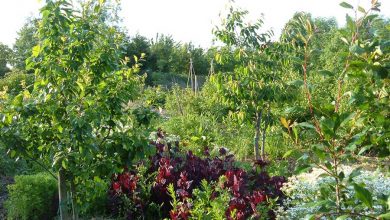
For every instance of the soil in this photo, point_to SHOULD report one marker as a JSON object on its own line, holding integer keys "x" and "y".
{"x": 4, "y": 181}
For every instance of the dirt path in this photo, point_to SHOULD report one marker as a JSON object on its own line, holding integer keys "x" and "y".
{"x": 4, "y": 181}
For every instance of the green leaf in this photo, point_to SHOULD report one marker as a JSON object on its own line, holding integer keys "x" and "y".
{"x": 343, "y": 217}
{"x": 384, "y": 216}
{"x": 18, "y": 100}
{"x": 356, "y": 172}
{"x": 327, "y": 127}
{"x": 326, "y": 73}
{"x": 12, "y": 154}
{"x": 361, "y": 9}
{"x": 344, "y": 40}
{"x": 306, "y": 125}
{"x": 97, "y": 179}
{"x": 346, "y": 5}
{"x": 364, "y": 149}
{"x": 288, "y": 153}
{"x": 63, "y": 163}
{"x": 296, "y": 83}
{"x": 319, "y": 151}
{"x": 310, "y": 217}
{"x": 36, "y": 50}
{"x": 59, "y": 128}
{"x": 302, "y": 168}
{"x": 356, "y": 49}
{"x": 363, "y": 195}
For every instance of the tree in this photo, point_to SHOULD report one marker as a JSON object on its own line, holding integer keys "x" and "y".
{"x": 253, "y": 85}
{"x": 339, "y": 132}
{"x": 26, "y": 40}
{"x": 137, "y": 46}
{"x": 75, "y": 118}
{"x": 5, "y": 57}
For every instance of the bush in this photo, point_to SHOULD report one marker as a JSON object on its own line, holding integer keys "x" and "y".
{"x": 172, "y": 178}
{"x": 32, "y": 197}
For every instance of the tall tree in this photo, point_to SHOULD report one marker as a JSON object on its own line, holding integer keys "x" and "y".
{"x": 5, "y": 58}
{"x": 26, "y": 40}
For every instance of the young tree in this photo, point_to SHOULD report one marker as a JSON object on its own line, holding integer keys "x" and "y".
{"x": 254, "y": 84}
{"x": 75, "y": 118}
{"x": 338, "y": 132}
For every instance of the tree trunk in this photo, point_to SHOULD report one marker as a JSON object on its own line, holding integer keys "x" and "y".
{"x": 264, "y": 134}
{"x": 257, "y": 134}
{"x": 75, "y": 213}
{"x": 62, "y": 197}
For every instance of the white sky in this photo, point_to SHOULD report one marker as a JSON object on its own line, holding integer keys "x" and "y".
{"x": 185, "y": 20}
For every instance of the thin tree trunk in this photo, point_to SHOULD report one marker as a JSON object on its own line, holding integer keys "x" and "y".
{"x": 264, "y": 134}
{"x": 257, "y": 134}
{"x": 74, "y": 201}
{"x": 62, "y": 197}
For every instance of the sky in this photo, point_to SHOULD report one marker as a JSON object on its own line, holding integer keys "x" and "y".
{"x": 186, "y": 20}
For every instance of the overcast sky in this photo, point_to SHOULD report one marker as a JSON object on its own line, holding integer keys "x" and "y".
{"x": 186, "y": 20}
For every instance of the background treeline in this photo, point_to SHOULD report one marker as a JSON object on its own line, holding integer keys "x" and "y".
{"x": 165, "y": 60}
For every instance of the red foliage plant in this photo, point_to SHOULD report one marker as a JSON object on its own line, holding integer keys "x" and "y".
{"x": 248, "y": 189}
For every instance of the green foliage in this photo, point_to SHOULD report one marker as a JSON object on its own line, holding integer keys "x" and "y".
{"x": 168, "y": 56}
{"x": 5, "y": 58}
{"x": 32, "y": 197}
{"x": 206, "y": 207}
{"x": 8, "y": 166}
{"x": 336, "y": 133}
{"x": 155, "y": 97}
{"x": 74, "y": 120}
{"x": 24, "y": 43}
{"x": 16, "y": 81}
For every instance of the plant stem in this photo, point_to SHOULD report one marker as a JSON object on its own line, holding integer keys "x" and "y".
{"x": 308, "y": 95}
{"x": 257, "y": 134}
{"x": 264, "y": 134}
{"x": 337, "y": 189}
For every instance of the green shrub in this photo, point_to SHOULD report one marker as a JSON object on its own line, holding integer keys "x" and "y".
{"x": 32, "y": 197}
{"x": 155, "y": 96}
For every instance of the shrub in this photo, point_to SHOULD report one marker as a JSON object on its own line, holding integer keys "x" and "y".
{"x": 172, "y": 176}
{"x": 305, "y": 191}
{"x": 32, "y": 197}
